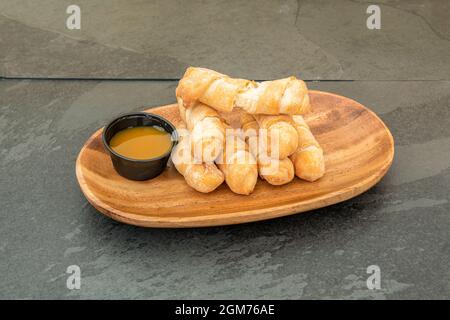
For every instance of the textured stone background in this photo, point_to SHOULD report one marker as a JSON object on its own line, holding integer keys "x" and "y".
{"x": 255, "y": 39}
{"x": 402, "y": 72}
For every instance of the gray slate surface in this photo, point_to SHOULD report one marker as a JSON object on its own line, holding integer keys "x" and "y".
{"x": 401, "y": 225}
{"x": 254, "y": 39}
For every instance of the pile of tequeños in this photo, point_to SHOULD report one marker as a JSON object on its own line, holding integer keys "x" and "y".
{"x": 273, "y": 140}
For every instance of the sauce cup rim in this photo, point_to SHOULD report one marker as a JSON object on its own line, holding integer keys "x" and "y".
{"x": 174, "y": 135}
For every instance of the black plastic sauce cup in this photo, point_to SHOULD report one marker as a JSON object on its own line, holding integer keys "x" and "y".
{"x": 136, "y": 169}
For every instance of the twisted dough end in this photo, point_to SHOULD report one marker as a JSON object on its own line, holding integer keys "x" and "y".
{"x": 295, "y": 99}
{"x": 238, "y": 165}
{"x": 222, "y": 93}
{"x": 204, "y": 177}
{"x": 283, "y": 96}
{"x": 207, "y": 130}
{"x": 276, "y": 172}
{"x": 309, "y": 163}
{"x": 286, "y": 140}
{"x": 194, "y": 82}
{"x": 242, "y": 177}
{"x": 206, "y": 148}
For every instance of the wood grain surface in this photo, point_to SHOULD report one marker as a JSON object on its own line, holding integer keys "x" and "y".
{"x": 358, "y": 148}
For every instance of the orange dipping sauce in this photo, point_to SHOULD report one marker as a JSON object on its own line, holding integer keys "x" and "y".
{"x": 141, "y": 143}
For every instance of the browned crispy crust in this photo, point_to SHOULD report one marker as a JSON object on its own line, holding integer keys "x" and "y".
{"x": 223, "y": 96}
{"x": 220, "y": 92}
{"x": 308, "y": 160}
{"x": 269, "y": 102}
{"x": 194, "y": 83}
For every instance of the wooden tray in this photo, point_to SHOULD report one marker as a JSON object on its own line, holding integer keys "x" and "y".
{"x": 358, "y": 147}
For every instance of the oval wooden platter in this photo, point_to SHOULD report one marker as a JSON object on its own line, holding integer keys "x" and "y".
{"x": 358, "y": 148}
